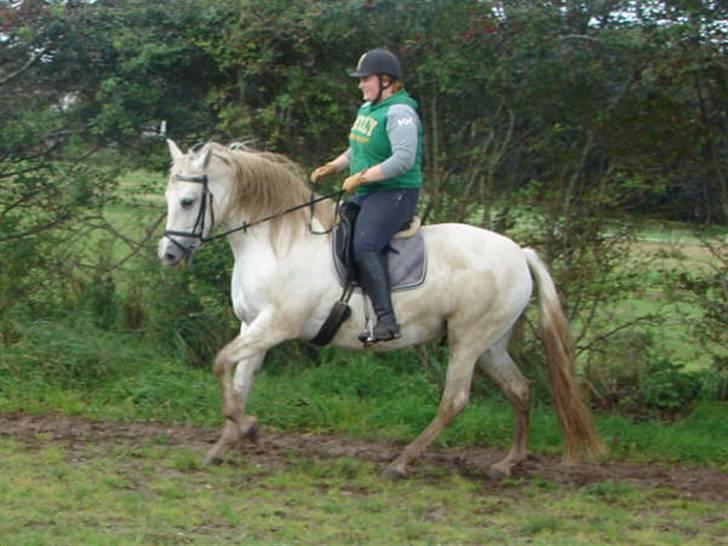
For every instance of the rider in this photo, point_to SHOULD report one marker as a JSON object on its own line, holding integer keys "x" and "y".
{"x": 384, "y": 159}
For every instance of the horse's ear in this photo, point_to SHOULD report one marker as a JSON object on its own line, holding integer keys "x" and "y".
{"x": 174, "y": 150}
{"x": 200, "y": 162}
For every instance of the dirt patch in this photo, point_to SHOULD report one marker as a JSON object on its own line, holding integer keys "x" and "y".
{"x": 275, "y": 448}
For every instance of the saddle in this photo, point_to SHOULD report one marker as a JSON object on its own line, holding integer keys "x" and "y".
{"x": 406, "y": 257}
{"x": 406, "y": 263}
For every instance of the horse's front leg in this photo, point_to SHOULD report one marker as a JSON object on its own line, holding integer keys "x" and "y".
{"x": 234, "y": 390}
{"x": 235, "y": 367}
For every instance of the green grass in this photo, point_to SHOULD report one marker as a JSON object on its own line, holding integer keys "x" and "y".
{"x": 669, "y": 334}
{"x": 659, "y": 311}
{"x": 150, "y": 492}
{"x": 106, "y": 376}
{"x": 664, "y": 231}
{"x": 146, "y": 493}
{"x": 142, "y": 187}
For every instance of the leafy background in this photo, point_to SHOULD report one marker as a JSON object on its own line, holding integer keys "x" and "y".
{"x": 594, "y": 131}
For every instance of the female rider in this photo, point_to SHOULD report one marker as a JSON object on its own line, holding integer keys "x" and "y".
{"x": 384, "y": 159}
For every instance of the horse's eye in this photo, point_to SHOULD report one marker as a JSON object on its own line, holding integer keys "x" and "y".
{"x": 186, "y": 202}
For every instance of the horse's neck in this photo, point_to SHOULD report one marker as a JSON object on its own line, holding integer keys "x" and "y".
{"x": 250, "y": 242}
{"x": 258, "y": 242}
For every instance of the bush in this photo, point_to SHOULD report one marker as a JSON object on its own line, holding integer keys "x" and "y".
{"x": 186, "y": 311}
{"x": 655, "y": 387}
{"x": 73, "y": 353}
{"x": 666, "y": 387}
{"x": 715, "y": 380}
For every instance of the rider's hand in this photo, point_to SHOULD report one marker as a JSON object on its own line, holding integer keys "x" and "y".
{"x": 323, "y": 171}
{"x": 354, "y": 181}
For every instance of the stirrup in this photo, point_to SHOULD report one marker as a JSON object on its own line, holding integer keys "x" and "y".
{"x": 380, "y": 332}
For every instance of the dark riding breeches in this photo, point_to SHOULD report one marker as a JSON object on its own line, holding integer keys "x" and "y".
{"x": 381, "y": 215}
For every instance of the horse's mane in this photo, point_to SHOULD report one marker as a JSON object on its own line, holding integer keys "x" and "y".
{"x": 266, "y": 184}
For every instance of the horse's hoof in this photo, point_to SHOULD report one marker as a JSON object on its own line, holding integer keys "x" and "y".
{"x": 212, "y": 460}
{"x": 252, "y": 435}
{"x": 250, "y": 431}
{"x": 496, "y": 472}
{"x": 393, "y": 473}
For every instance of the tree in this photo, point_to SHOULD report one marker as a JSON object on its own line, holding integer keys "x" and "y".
{"x": 78, "y": 79}
{"x": 552, "y": 121}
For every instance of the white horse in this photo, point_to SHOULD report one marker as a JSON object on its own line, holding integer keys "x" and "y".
{"x": 284, "y": 284}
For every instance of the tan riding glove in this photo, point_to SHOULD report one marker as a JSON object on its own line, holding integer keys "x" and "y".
{"x": 354, "y": 181}
{"x": 323, "y": 171}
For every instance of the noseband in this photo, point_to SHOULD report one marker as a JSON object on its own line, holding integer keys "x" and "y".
{"x": 198, "y": 229}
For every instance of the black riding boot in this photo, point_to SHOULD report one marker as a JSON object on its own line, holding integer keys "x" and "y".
{"x": 374, "y": 278}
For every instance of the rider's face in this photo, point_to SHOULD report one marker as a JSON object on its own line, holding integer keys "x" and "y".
{"x": 369, "y": 86}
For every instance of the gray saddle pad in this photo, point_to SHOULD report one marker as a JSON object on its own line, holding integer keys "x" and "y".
{"x": 407, "y": 262}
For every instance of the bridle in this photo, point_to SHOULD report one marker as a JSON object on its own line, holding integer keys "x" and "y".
{"x": 198, "y": 230}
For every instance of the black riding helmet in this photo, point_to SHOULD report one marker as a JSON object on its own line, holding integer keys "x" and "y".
{"x": 378, "y": 61}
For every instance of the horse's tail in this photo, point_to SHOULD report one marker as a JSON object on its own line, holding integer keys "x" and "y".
{"x": 574, "y": 416}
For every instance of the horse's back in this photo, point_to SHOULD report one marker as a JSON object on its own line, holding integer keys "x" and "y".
{"x": 482, "y": 247}
{"x": 472, "y": 264}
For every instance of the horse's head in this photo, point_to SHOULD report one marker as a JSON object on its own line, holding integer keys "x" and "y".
{"x": 238, "y": 185}
{"x": 194, "y": 179}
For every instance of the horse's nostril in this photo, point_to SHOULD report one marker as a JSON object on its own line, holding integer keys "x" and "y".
{"x": 170, "y": 257}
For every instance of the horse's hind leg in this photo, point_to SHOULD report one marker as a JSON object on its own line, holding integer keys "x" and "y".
{"x": 454, "y": 399}
{"x": 499, "y": 365}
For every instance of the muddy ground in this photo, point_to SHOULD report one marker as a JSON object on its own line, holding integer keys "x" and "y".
{"x": 274, "y": 449}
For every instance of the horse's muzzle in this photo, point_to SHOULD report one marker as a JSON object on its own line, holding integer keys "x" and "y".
{"x": 172, "y": 252}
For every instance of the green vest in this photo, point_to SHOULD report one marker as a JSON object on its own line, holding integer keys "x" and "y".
{"x": 370, "y": 145}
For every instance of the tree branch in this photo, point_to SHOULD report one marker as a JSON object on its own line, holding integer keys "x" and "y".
{"x": 23, "y": 68}
{"x": 136, "y": 246}
{"x": 613, "y": 331}
{"x": 37, "y": 229}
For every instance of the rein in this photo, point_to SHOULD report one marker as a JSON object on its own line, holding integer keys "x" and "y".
{"x": 199, "y": 228}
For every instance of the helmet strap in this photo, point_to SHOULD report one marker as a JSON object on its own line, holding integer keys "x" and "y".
{"x": 383, "y": 86}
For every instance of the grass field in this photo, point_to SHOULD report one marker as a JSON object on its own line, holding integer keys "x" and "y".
{"x": 121, "y": 492}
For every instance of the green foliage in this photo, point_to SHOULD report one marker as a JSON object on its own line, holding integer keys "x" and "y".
{"x": 666, "y": 386}
{"x": 510, "y": 94}
{"x": 656, "y": 387}
{"x": 47, "y": 210}
{"x": 715, "y": 381}
{"x": 707, "y": 287}
{"x": 187, "y": 311}
{"x": 79, "y": 357}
